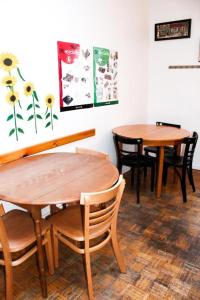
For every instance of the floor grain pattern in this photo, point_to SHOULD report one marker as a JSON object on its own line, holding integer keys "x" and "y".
{"x": 160, "y": 242}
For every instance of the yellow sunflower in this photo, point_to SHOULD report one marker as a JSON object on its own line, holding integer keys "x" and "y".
{"x": 9, "y": 81}
{"x": 28, "y": 89}
{"x": 8, "y": 61}
{"x": 49, "y": 99}
{"x": 12, "y": 98}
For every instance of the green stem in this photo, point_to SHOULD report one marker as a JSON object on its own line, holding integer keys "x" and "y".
{"x": 51, "y": 120}
{"x": 15, "y": 123}
{"x": 34, "y": 113}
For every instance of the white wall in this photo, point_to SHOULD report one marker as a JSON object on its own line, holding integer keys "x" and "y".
{"x": 30, "y": 30}
{"x": 174, "y": 95}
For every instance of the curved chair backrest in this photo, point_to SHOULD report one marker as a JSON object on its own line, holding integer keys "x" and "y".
{"x": 104, "y": 218}
{"x": 92, "y": 152}
{"x": 168, "y": 124}
{"x": 120, "y": 141}
{"x": 190, "y": 145}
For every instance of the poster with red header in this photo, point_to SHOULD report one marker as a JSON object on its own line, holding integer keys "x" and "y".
{"x": 75, "y": 76}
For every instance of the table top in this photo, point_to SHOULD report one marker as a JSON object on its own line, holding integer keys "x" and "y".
{"x": 54, "y": 178}
{"x": 153, "y": 135}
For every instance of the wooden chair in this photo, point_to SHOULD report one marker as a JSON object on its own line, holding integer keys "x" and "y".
{"x": 54, "y": 209}
{"x": 132, "y": 157}
{"x": 16, "y": 235}
{"x": 92, "y": 152}
{"x": 82, "y": 232}
{"x": 183, "y": 163}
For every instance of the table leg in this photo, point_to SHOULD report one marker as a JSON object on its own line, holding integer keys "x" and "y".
{"x": 36, "y": 214}
{"x": 160, "y": 171}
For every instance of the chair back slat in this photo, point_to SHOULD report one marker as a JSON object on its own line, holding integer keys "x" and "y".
{"x": 190, "y": 145}
{"x": 104, "y": 217}
{"x": 158, "y": 123}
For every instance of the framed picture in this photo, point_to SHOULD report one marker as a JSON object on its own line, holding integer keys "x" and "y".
{"x": 173, "y": 30}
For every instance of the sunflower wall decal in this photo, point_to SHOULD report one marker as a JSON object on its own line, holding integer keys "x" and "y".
{"x": 49, "y": 115}
{"x": 9, "y": 64}
{"x": 29, "y": 90}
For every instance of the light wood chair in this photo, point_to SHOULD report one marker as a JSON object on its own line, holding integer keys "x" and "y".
{"x": 16, "y": 235}
{"x": 54, "y": 209}
{"x": 86, "y": 231}
{"x": 92, "y": 152}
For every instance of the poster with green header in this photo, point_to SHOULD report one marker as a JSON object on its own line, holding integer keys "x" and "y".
{"x": 105, "y": 63}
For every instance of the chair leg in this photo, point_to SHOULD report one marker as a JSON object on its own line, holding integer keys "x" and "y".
{"x": 49, "y": 252}
{"x": 132, "y": 176}
{"x": 165, "y": 172}
{"x": 138, "y": 185}
{"x": 55, "y": 248}
{"x": 88, "y": 274}
{"x": 117, "y": 252}
{"x": 9, "y": 281}
{"x": 152, "y": 177}
{"x": 190, "y": 176}
{"x": 183, "y": 185}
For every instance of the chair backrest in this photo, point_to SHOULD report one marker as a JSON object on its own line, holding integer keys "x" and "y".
{"x": 120, "y": 141}
{"x": 158, "y": 123}
{"x": 104, "y": 217}
{"x": 92, "y": 152}
{"x": 190, "y": 145}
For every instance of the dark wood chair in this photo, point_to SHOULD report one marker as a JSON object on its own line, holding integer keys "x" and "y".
{"x": 169, "y": 150}
{"x": 17, "y": 238}
{"x": 183, "y": 164}
{"x": 90, "y": 231}
{"x": 132, "y": 157}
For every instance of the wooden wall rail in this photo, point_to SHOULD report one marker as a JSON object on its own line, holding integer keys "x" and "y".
{"x": 11, "y": 156}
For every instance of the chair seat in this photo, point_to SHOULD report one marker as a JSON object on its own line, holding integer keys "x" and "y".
{"x": 69, "y": 223}
{"x": 176, "y": 161}
{"x": 168, "y": 150}
{"x": 131, "y": 160}
{"x": 20, "y": 229}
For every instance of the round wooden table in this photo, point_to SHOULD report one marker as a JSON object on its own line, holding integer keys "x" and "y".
{"x": 153, "y": 135}
{"x": 36, "y": 181}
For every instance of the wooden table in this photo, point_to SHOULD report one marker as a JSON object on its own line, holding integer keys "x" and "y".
{"x": 153, "y": 135}
{"x": 36, "y": 181}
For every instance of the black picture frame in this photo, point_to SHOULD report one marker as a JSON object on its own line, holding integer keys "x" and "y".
{"x": 179, "y": 29}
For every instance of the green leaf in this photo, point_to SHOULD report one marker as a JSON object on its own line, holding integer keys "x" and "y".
{"x": 37, "y": 105}
{"x": 47, "y": 116}
{"x": 30, "y": 106}
{"x": 55, "y": 117}
{"x": 20, "y": 130}
{"x": 20, "y": 75}
{"x": 12, "y": 131}
{"x": 19, "y": 117}
{"x": 9, "y": 117}
{"x": 39, "y": 117}
{"x": 48, "y": 124}
{"x": 30, "y": 117}
{"x": 35, "y": 95}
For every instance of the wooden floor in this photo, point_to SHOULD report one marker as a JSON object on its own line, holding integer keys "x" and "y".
{"x": 161, "y": 245}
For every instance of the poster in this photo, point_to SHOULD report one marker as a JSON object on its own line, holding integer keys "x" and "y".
{"x": 105, "y": 75}
{"x": 75, "y": 76}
